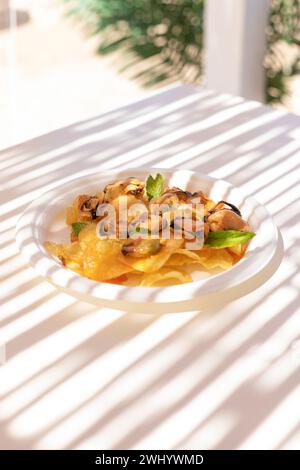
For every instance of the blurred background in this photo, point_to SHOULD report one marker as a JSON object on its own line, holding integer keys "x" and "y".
{"x": 66, "y": 60}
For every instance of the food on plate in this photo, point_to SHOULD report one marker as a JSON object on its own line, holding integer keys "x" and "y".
{"x": 133, "y": 232}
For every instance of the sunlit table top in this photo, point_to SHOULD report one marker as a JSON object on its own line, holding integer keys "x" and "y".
{"x": 224, "y": 374}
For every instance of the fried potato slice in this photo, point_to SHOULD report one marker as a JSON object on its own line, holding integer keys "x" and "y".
{"x": 101, "y": 256}
{"x": 71, "y": 251}
{"x": 238, "y": 250}
{"x": 165, "y": 276}
{"x": 69, "y": 255}
{"x": 91, "y": 256}
{"x": 211, "y": 258}
{"x": 182, "y": 256}
{"x": 54, "y": 249}
{"x": 152, "y": 263}
{"x": 208, "y": 258}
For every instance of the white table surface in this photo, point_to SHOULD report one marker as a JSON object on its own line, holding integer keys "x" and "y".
{"x": 224, "y": 374}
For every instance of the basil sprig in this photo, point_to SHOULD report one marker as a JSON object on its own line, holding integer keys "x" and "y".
{"x": 77, "y": 227}
{"x": 228, "y": 238}
{"x": 155, "y": 186}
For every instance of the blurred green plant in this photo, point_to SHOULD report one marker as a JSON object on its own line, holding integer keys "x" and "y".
{"x": 282, "y": 58}
{"x": 168, "y": 36}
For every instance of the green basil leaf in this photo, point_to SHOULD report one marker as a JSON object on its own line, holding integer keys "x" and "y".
{"x": 230, "y": 241}
{"x": 155, "y": 186}
{"x": 226, "y": 234}
{"x": 78, "y": 226}
{"x": 142, "y": 230}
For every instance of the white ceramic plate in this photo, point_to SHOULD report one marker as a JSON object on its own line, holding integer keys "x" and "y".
{"x": 44, "y": 220}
